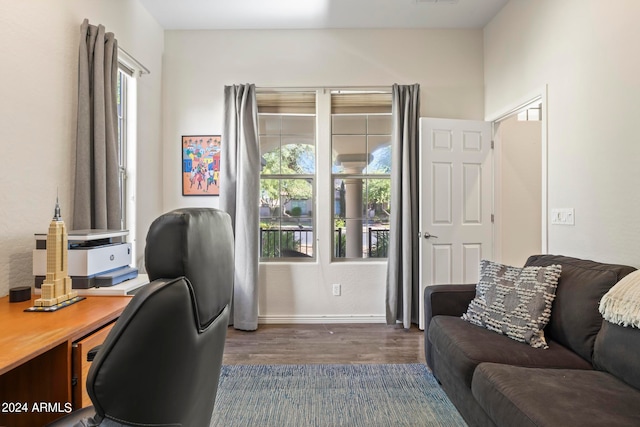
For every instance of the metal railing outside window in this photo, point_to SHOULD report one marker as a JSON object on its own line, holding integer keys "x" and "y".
{"x": 292, "y": 243}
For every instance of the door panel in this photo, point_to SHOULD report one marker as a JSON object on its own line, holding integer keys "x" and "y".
{"x": 442, "y": 193}
{"x": 456, "y": 200}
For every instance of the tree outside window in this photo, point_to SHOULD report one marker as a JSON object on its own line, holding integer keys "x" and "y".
{"x": 287, "y": 186}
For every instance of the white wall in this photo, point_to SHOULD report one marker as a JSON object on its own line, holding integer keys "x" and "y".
{"x": 585, "y": 50}
{"x": 518, "y": 218}
{"x": 197, "y": 65}
{"x": 39, "y": 49}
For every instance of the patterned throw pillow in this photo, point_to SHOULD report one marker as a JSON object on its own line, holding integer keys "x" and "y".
{"x": 513, "y": 301}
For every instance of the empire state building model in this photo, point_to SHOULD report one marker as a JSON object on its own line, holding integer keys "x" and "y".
{"x": 56, "y": 287}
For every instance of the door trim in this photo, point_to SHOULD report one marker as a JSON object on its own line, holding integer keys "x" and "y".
{"x": 539, "y": 95}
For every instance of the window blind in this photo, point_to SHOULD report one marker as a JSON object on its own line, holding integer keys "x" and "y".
{"x": 360, "y": 102}
{"x": 342, "y": 102}
{"x": 286, "y": 102}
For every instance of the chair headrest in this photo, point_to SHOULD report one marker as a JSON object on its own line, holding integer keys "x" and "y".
{"x": 196, "y": 243}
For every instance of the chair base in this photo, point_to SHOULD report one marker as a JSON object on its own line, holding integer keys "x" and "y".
{"x": 80, "y": 418}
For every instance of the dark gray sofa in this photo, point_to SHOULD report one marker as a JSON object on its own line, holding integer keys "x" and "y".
{"x": 589, "y": 375}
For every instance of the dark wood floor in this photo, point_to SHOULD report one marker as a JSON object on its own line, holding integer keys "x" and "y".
{"x": 324, "y": 343}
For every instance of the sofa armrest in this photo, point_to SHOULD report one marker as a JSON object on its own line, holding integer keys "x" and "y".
{"x": 447, "y": 300}
{"x": 444, "y": 300}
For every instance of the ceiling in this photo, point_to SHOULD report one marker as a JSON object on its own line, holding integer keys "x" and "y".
{"x": 314, "y": 14}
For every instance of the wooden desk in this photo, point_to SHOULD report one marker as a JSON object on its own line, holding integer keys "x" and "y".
{"x": 35, "y": 356}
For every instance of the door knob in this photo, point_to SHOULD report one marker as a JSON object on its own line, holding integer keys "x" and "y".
{"x": 428, "y": 235}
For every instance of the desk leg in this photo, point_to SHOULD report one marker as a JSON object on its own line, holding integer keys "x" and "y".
{"x": 41, "y": 386}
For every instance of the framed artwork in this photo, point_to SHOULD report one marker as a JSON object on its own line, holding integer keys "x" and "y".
{"x": 201, "y": 165}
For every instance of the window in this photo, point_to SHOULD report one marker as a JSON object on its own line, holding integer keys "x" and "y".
{"x": 361, "y": 147}
{"x": 126, "y": 103}
{"x": 129, "y": 70}
{"x": 361, "y": 167}
{"x": 356, "y": 131}
{"x": 287, "y": 180}
{"x": 121, "y": 103}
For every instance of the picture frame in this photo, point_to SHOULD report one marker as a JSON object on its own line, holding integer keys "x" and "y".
{"x": 200, "y": 165}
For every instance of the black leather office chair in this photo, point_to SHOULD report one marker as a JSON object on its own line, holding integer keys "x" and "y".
{"x": 160, "y": 364}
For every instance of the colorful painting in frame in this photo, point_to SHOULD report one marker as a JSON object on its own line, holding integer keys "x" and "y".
{"x": 201, "y": 165}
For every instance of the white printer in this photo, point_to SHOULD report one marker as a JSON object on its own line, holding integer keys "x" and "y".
{"x": 96, "y": 258}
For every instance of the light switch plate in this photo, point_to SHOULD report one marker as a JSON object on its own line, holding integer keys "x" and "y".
{"x": 337, "y": 289}
{"x": 563, "y": 216}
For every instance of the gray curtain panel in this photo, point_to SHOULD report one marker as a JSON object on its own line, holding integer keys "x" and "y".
{"x": 97, "y": 186}
{"x": 239, "y": 194}
{"x": 403, "y": 287}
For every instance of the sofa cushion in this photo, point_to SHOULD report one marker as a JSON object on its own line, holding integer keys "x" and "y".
{"x": 517, "y": 396}
{"x": 465, "y": 346}
{"x": 575, "y": 319}
{"x": 616, "y": 351}
{"x": 515, "y": 302}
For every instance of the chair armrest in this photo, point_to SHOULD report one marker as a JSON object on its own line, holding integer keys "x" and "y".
{"x": 447, "y": 300}
{"x": 91, "y": 354}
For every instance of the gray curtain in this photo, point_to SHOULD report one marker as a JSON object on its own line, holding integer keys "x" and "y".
{"x": 403, "y": 287}
{"x": 239, "y": 195}
{"x": 97, "y": 187}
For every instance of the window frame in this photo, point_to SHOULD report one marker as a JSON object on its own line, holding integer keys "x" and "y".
{"x": 364, "y": 177}
{"x": 127, "y": 94}
{"x": 123, "y": 120}
{"x": 283, "y": 177}
{"x": 323, "y": 188}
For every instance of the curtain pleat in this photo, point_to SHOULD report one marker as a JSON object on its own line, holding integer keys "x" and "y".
{"x": 97, "y": 183}
{"x": 403, "y": 287}
{"x": 239, "y": 194}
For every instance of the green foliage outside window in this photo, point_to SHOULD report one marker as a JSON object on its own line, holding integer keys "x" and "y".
{"x": 292, "y": 159}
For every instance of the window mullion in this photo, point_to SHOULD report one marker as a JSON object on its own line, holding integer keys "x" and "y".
{"x": 324, "y": 202}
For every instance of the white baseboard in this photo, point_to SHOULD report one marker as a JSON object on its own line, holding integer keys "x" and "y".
{"x": 301, "y": 319}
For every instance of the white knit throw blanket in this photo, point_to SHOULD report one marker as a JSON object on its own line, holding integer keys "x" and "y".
{"x": 621, "y": 305}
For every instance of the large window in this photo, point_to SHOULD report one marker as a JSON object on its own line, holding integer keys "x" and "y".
{"x": 126, "y": 102}
{"x": 287, "y": 185}
{"x": 347, "y": 136}
{"x": 361, "y": 150}
{"x": 122, "y": 109}
{"x": 129, "y": 70}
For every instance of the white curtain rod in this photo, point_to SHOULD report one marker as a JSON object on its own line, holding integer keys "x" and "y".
{"x": 131, "y": 62}
{"x": 383, "y": 89}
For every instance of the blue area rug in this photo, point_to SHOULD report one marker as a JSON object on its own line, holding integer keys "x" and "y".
{"x": 331, "y": 395}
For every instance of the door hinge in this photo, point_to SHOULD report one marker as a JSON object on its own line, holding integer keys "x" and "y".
{"x": 493, "y": 218}
{"x": 493, "y": 144}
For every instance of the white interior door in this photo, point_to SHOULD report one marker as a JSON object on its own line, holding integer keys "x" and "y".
{"x": 456, "y": 201}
